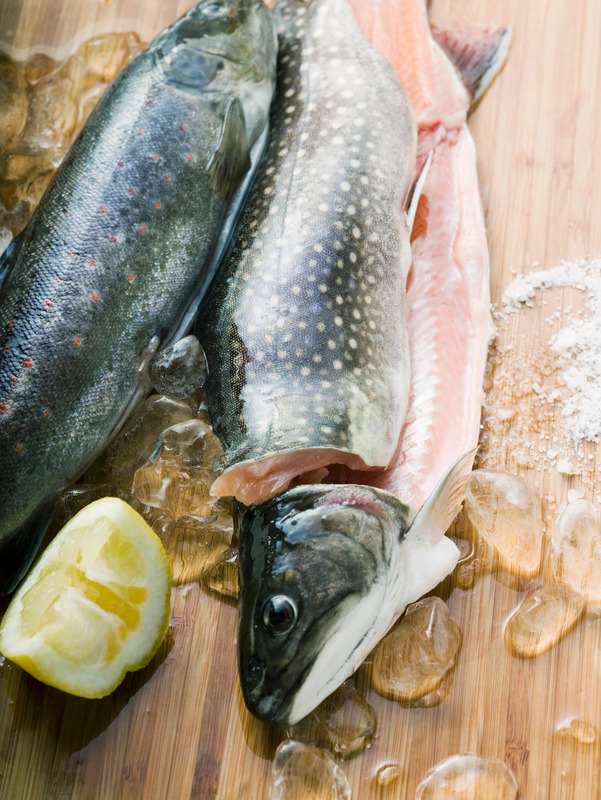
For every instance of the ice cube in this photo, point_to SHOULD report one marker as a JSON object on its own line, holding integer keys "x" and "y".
{"x": 222, "y": 578}
{"x": 467, "y": 777}
{"x": 179, "y": 480}
{"x": 545, "y": 616}
{"x": 52, "y": 114}
{"x": 575, "y": 553}
{"x": 579, "y": 731}
{"x": 38, "y": 66}
{"x": 195, "y": 544}
{"x": 137, "y": 440}
{"x": 414, "y": 658}
{"x": 13, "y": 102}
{"x": 506, "y": 512}
{"x": 302, "y": 772}
{"x": 387, "y": 774}
{"x": 343, "y": 723}
{"x": 106, "y": 55}
{"x": 180, "y": 369}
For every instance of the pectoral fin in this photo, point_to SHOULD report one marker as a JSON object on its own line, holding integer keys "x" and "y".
{"x": 231, "y": 159}
{"x": 440, "y": 509}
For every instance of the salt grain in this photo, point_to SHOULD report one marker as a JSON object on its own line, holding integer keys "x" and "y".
{"x": 577, "y": 344}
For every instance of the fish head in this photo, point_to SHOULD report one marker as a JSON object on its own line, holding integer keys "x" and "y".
{"x": 313, "y": 569}
{"x": 216, "y": 45}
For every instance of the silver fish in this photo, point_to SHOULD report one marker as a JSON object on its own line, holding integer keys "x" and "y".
{"x": 305, "y": 334}
{"x": 121, "y": 249}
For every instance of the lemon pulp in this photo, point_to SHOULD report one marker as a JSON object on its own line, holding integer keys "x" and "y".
{"x": 95, "y": 605}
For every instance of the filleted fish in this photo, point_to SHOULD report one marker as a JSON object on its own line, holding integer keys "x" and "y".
{"x": 307, "y": 350}
{"x": 121, "y": 249}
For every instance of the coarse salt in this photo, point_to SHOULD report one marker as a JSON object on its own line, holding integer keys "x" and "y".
{"x": 577, "y": 344}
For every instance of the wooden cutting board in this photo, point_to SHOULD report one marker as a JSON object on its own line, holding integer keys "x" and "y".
{"x": 179, "y": 728}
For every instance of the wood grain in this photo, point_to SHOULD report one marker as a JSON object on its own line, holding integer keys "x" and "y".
{"x": 179, "y": 729}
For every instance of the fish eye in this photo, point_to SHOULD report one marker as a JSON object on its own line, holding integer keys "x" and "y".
{"x": 279, "y": 614}
{"x": 212, "y": 9}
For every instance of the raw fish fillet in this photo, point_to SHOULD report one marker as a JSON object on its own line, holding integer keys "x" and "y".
{"x": 448, "y": 292}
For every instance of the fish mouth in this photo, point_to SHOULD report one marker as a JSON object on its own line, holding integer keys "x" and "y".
{"x": 264, "y": 699}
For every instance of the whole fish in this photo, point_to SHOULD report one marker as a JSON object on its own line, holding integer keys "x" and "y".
{"x": 308, "y": 367}
{"x": 120, "y": 251}
{"x": 306, "y": 335}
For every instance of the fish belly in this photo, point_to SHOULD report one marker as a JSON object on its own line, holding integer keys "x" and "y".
{"x": 306, "y": 335}
{"x": 448, "y": 294}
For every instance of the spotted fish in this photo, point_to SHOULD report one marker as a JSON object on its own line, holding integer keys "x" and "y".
{"x": 305, "y": 335}
{"x": 119, "y": 252}
{"x": 308, "y": 367}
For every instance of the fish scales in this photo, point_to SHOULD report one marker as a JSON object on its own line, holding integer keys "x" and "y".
{"x": 306, "y": 335}
{"x": 126, "y": 235}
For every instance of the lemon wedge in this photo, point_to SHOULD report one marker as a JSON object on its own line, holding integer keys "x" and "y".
{"x": 95, "y": 605}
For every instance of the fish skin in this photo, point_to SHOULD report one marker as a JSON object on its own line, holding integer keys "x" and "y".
{"x": 120, "y": 250}
{"x": 448, "y": 294}
{"x": 300, "y": 365}
{"x": 348, "y": 559}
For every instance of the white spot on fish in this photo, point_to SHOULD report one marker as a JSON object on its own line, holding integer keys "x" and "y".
{"x": 356, "y": 232}
{"x": 318, "y": 247}
{"x": 345, "y": 186}
{"x": 338, "y": 320}
{"x": 337, "y": 364}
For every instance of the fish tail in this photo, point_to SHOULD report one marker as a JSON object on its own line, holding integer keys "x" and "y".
{"x": 478, "y": 55}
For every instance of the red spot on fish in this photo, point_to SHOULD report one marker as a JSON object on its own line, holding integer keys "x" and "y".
{"x": 113, "y": 238}
{"x": 68, "y": 213}
{"x": 104, "y": 209}
{"x": 420, "y": 224}
{"x": 130, "y": 191}
{"x": 77, "y": 340}
{"x": 10, "y": 324}
{"x": 189, "y": 157}
{"x": 19, "y": 448}
{"x": 122, "y": 163}
{"x": 13, "y": 378}
{"x": 141, "y": 133}
{"x": 3, "y": 408}
{"x": 143, "y": 228}
{"x": 58, "y": 281}
{"x": 183, "y": 128}
{"x": 7, "y": 348}
{"x": 167, "y": 178}
{"x": 71, "y": 254}
{"x": 158, "y": 205}
{"x": 154, "y": 157}
{"x": 27, "y": 362}
{"x": 46, "y": 413}
{"x": 92, "y": 261}
{"x": 48, "y": 303}
{"x": 95, "y": 297}
{"x": 131, "y": 278}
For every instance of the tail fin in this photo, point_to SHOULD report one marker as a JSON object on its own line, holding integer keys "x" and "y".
{"x": 477, "y": 55}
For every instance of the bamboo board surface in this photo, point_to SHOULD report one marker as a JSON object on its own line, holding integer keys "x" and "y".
{"x": 179, "y": 728}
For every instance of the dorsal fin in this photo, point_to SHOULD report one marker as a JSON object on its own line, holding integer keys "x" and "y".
{"x": 478, "y": 55}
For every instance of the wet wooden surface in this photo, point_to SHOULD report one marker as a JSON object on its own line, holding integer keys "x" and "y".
{"x": 179, "y": 728}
